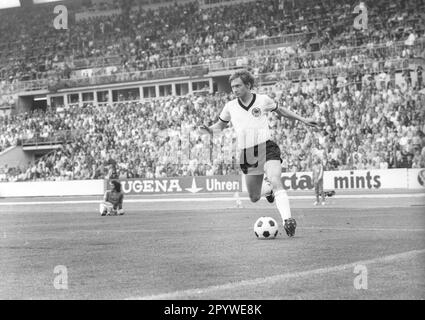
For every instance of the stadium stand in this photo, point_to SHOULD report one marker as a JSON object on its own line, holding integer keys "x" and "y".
{"x": 361, "y": 129}
{"x": 368, "y": 121}
{"x": 138, "y": 40}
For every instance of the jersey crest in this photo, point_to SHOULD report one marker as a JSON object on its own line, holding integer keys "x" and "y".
{"x": 256, "y": 112}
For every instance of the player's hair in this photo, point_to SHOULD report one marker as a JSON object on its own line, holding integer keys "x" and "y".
{"x": 117, "y": 185}
{"x": 246, "y": 77}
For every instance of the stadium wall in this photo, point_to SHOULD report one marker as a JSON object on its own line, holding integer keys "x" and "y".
{"x": 51, "y": 188}
{"x": 182, "y": 185}
{"x": 416, "y": 178}
{"x": 356, "y": 180}
{"x": 301, "y": 181}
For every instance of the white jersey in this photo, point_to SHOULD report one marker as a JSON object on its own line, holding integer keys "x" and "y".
{"x": 250, "y": 122}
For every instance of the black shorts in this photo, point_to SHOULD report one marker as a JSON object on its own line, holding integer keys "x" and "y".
{"x": 253, "y": 159}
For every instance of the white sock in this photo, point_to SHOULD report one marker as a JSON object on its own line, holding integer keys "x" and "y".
{"x": 282, "y": 204}
{"x": 266, "y": 188}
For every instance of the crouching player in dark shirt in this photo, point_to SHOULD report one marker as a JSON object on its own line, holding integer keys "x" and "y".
{"x": 112, "y": 201}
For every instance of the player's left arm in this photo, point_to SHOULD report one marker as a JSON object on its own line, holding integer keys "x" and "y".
{"x": 120, "y": 201}
{"x": 283, "y": 112}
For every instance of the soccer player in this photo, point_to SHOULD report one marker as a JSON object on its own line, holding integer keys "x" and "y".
{"x": 258, "y": 154}
{"x": 318, "y": 181}
{"x": 112, "y": 201}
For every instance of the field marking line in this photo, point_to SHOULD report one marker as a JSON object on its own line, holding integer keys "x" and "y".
{"x": 272, "y": 279}
{"x": 362, "y": 229}
{"x": 218, "y": 228}
{"x": 353, "y": 196}
{"x": 103, "y": 231}
{"x": 299, "y": 228}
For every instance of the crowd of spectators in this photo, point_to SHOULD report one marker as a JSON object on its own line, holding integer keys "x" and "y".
{"x": 362, "y": 127}
{"x": 377, "y": 57}
{"x": 184, "y": 34}
{"x": 368, "y": 122}
{"x": 40, "y": 125}
{"x": 286, "y": 59}
{"x": 371, "y": 127}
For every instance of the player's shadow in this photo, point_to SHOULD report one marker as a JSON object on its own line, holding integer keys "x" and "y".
{"x": 281, "y": 237}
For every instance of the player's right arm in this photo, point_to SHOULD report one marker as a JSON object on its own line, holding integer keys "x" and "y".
{"x": 106, "y": 196}
{"x": 223, "y": 121}
{"x": 218, "y": 126}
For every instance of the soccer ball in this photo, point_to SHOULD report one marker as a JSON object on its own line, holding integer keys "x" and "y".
{"x": 266, "y": 228}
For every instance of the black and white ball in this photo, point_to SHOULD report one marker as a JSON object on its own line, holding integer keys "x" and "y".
{"x": 266, "y": 228}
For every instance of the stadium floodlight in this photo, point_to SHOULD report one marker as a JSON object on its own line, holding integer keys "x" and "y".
{"x": 4, "y": 4}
